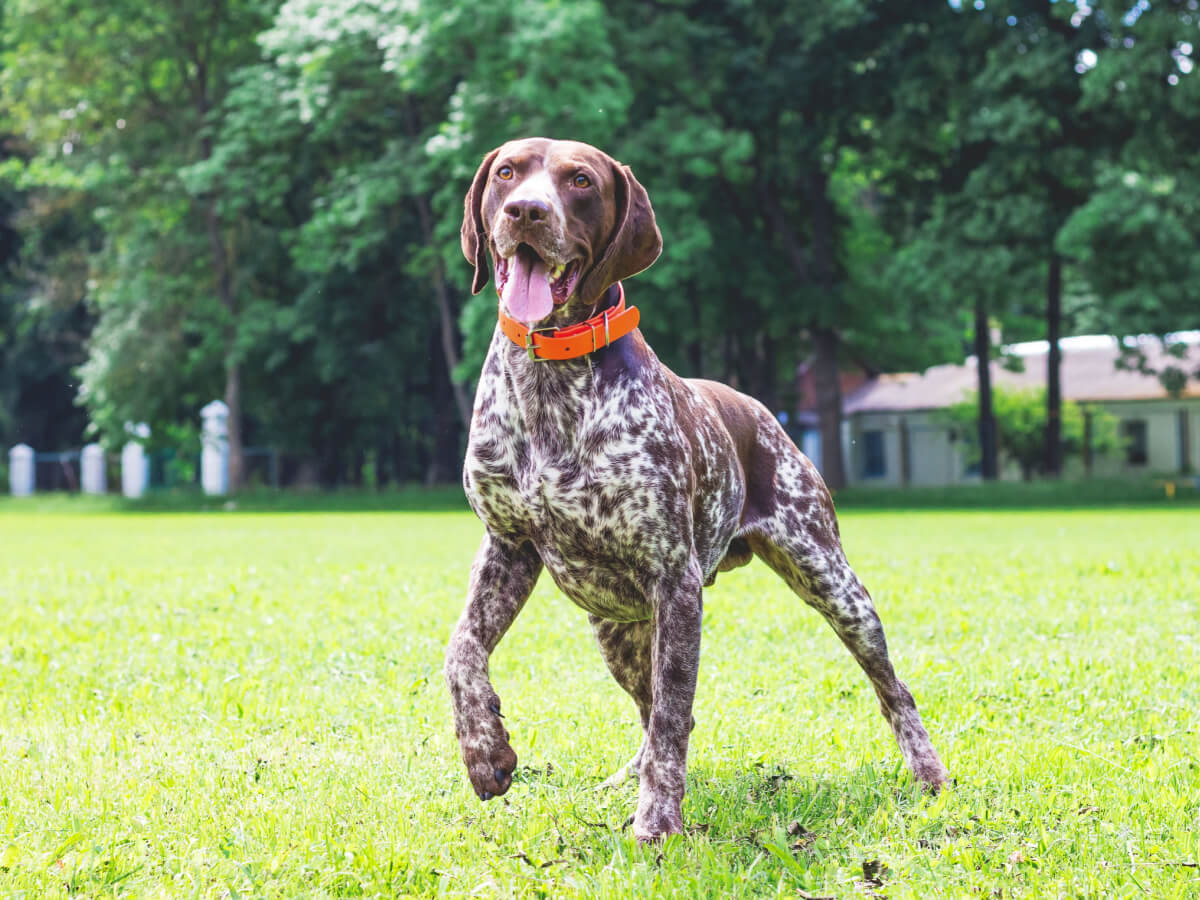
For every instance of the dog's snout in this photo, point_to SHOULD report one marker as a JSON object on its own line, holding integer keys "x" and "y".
{"x": 527, "y": 210}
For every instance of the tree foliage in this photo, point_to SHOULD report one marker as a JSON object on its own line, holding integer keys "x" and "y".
{"x": 260, "y": 199}
{"x": 1135, "y": 239}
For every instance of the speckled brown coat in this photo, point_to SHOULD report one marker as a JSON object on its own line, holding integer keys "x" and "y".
{"x": 631, "y": 486}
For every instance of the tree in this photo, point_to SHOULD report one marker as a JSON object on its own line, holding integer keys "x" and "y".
{"x": 1135, "y": 240}
{"x": 261, "y": 199}
{"x": 387, "y": 110}
{"x": 277, "y": 190}
{"x": 771, "y": 106}
{"x": 44, "y": 320}
{"x": 1043, "y": 145}
{"x": 1016, "y": 161}
{"x": 118, "y": 100}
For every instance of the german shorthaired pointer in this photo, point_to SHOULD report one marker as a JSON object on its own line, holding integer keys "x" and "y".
{"x": 631, "y": 486}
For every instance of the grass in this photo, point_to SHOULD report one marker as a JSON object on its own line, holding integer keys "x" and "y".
{"x": 190, "y": 499}
{"x": 250, "y": 705}
{"x": 1044, "y": 494}
{"x": 1038, "y": 494}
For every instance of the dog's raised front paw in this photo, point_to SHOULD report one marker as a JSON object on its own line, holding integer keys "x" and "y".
{"x": 490, "y": 761}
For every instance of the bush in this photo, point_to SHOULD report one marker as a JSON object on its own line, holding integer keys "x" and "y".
{"x": 1021, "y": 427}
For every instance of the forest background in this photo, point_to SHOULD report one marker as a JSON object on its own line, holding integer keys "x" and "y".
{"x": 260, "y": 200}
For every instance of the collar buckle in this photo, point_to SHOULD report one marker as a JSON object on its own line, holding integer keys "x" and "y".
{"x": 530, "y": 348}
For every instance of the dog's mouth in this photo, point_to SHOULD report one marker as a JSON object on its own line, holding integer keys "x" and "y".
{"x": 530, "y": 287}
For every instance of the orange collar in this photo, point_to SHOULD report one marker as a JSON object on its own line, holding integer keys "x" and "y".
{"x": 574, "y": 340}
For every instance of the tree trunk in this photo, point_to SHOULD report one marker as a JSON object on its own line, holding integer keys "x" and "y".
{"x": 400, "y": 473}
{"x": 233, "y": 399}
{"x": 1185, "y": 442}
{"x": 733, "y": 359}
{"x": 1053, "y": 456}
{"x": 223, "y": 275}
{"x": 827, "y": 382}
{"x": 446, "y": 317}
{"x": 1087, "y": 441}
{"x": 449, "y": 326}
{"x": 695, "y": 352}
{"x": 987, "y": 420}
{"x": 826, "y": 372}
{"x": 767, "y": 391}
{"x": 445, "y": 461}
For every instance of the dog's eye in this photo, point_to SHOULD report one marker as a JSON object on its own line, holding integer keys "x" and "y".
{"x": 505, "y": 173}
{"x": 581, "y": 181}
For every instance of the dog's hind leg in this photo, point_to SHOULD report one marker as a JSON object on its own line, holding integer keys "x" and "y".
{"x": 799, "y": 540}
{"x": 627, "y": 648}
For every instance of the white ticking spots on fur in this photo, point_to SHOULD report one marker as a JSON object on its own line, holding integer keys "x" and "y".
{"x": 633, "y": 488}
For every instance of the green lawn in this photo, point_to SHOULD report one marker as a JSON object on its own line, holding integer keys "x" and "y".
{"x": 251, "y": 705}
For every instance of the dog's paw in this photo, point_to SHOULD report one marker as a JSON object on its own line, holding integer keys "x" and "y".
{"x": 935, "y": 780}
{"x": 656, "y": 830}
{"x": 931, "y": 773}
{"x": 490, "y": 762}
{"x": 657, "y": 820}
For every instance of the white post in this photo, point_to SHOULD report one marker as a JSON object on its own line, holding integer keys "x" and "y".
{"x": 214, "y": 457}
{"x": 20, "y": 470}
{"x": 93, "y": 477}
{"x": 135, "y": 472}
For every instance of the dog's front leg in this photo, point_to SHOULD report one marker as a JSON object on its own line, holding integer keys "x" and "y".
{"x": 502, "y": 578}
{"x": 675, "y": 661}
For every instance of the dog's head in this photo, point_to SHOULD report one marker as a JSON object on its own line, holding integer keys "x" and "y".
{"x": 563, "y": 222}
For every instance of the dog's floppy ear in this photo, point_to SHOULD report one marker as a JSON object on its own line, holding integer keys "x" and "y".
{"x": 635, "y": 241}
{"x": 474, "y": 238}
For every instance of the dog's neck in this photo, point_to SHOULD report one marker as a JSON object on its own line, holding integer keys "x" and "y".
{"x": 550, "y": 396}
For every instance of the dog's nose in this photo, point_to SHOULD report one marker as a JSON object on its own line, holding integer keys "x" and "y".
{"x": 527, "y": 210}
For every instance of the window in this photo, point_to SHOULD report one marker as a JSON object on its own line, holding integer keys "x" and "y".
{"x": 1133, "y": 436}
{"x": 874, "y": 460}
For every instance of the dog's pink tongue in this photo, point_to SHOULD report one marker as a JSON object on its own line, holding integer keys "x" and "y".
{"x": 527, "y": 291}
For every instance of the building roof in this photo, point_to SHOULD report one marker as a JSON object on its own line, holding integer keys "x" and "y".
{"x": 1089, "y": 373}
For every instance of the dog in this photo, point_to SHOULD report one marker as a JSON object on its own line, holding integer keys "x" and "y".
{"x": 631, "y": 486}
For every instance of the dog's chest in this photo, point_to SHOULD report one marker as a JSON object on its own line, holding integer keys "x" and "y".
{"x": 582, "y": 481}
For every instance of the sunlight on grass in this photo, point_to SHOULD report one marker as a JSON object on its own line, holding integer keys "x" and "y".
{"x": 251, "y": 705}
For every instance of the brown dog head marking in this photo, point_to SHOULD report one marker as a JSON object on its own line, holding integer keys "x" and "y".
{"x": 563, "y": 222}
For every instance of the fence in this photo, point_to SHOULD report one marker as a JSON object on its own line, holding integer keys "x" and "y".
{"x": 57, "y": 471}
{"x": 86, "y": 469}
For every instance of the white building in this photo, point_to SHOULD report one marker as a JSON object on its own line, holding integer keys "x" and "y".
{"x": 892, "y": 434}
